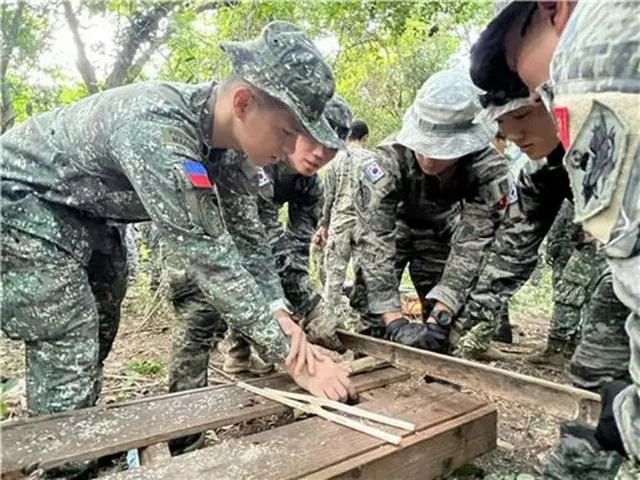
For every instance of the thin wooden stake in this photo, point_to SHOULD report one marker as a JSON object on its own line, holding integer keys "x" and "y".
{"x": 351, "y": 410}
{"x": 316, "y": 410}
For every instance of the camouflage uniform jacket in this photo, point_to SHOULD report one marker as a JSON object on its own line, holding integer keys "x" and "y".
{"x": 290, "y": 244}
{"x": 393, "y": 188}
{"x": 131, "y": 154}
{"x": 340, "y": 183}
{"x": 512, "y": 257}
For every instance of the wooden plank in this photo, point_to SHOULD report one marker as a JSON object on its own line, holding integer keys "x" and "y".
{"x": 561, "y": 400}
{"x": 309, "y": 447}
{"x": 96, "y": 432}
{"x": 432, "y": 453}
{"x": 153, "y": 454}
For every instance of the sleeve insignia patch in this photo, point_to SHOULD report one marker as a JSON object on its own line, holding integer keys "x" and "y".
{"x": 374, "y": 172}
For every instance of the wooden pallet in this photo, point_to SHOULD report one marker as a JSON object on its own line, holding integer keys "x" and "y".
{"x": 453, "y": 428}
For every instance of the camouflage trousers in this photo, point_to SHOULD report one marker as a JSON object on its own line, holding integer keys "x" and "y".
{"x": 573, "y": 283}
{"x": 424, "y": 252}
{"x": 64, "y": 304}
{"x": 337, "y": 255}
{"x": 602, "y": 354}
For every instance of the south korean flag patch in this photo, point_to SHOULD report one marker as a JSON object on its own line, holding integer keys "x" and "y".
{"x": 374, "y": 172}
{"x": 263, "y": 178}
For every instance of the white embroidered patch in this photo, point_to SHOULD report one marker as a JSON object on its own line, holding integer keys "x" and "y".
{"x": 263, "y": 178}
{"x": 374, "y": 172}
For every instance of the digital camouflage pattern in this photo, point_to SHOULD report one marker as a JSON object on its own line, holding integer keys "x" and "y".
{"x": 602, "y": 354}
{"x": 594, "y": 76}
{"x": 512, "y": 256}
{"x": 286, "y": 64}
{"x": 290, "y": 243}
{"x": 123, "y": 155}
{"x": 407, "y": 217}
{"x": 340, "y": 181}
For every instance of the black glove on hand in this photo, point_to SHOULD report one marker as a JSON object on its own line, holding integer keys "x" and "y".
{"x": 607, "y": 433}
{"x": 407, "y": 333}
{"x": 437, "y": 339}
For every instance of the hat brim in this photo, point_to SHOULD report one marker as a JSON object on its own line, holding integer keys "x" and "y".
{"x": 243, "y": 58}
{"x": 493, "y": 112}
{"x": 443, "y": 145}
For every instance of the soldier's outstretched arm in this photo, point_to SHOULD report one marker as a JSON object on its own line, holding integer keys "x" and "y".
{"x": 376, "y": 200}
{"x": 162, "y": 163}
{"x": 238, "y": 192}
{"x": 481, "y": 214}
{"x": 513, "y": 255}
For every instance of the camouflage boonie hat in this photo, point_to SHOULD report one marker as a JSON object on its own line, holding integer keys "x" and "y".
{"x": 441, "y": 122}
{"x": 339, "y": 116}
{"x": 494, "y": 110}
{"x": 286, "y": 64}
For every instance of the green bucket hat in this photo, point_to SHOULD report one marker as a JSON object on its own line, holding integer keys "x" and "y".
{"x": 284, "y": 62}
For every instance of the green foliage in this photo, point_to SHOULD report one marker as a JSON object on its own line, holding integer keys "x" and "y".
{"x": 145, "y": 367}
{"x": 381, "y": 51}
{"x": 534, "y": 299}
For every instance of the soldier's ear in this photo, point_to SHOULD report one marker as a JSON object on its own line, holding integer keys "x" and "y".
{"x": 557, "y": 13}
{"x": 242, "y": 99}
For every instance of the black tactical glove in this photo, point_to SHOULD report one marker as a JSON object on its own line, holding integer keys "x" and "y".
{"x": 607, "y": 433}
{"x": 407, "y": 333}
{"x": 437, "y": 339}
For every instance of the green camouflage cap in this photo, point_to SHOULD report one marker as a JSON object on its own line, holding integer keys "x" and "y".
{"x": 339, "y": 116}
{"x": 285, "y": 63}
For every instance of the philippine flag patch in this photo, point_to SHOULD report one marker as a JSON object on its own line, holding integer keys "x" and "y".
{"x": 197, "y": 174}
{"x": 374, "y": 172}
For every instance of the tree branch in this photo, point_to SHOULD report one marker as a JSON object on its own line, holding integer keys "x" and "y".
{"x": 85, "y": 68}
{"x": 141, "y": 30}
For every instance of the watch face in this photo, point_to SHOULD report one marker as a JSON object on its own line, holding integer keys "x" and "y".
{"x": 443, "y": 318}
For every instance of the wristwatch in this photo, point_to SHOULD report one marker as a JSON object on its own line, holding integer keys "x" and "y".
{"x": 443, "y": 318}
{"x": 281, "y": 304}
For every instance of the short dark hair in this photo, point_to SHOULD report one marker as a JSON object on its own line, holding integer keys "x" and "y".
{"x": 359, "y": 130}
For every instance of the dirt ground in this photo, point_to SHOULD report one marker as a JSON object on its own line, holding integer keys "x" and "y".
{"x": 136, "y": 367}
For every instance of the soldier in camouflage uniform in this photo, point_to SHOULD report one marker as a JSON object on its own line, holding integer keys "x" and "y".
{"x": 294, "y": 182}
{"x": 339, "y": 216}
{"x": 572, "y": 259}
{"x": 431, "y": 198}
{"x": 596, "y": 84}
{"x": 136, "y": 153}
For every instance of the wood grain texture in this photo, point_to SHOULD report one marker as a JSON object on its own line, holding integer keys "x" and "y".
{"x": 452, "y": 429}
{"x": 95, "y": 432}
{"x": 560, "y": 400}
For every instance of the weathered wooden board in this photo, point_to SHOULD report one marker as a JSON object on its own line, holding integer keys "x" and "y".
{"x": 95, "y": 432}
{"x": 452, "y": 429}
{"x": 564, "y": 401}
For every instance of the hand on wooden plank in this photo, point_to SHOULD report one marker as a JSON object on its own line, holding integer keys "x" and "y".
{"x": 302, "y": 354}
{"x": 329, "y": 381}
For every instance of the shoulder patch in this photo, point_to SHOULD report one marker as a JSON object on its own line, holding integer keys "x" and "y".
{"x": 197, "y": 174}
{"x": 595, "y": 159}
{"x": 513, "y": 195}
{"x": 263, "y": 178}
{"x": 374, "y": 172}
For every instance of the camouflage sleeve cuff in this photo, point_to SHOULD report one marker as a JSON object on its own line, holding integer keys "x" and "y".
{"x": 446, "y": 295}
{"x": 378, "y": 307}
{"x": 274, "y": 344}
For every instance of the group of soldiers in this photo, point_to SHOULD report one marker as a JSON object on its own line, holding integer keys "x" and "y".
{"x": 212, "y": 165}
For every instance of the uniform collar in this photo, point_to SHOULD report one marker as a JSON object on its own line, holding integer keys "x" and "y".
{"x": 205, "y": 102}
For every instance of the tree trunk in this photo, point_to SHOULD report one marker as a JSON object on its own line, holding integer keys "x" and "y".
{"x": 7, "y": 116}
